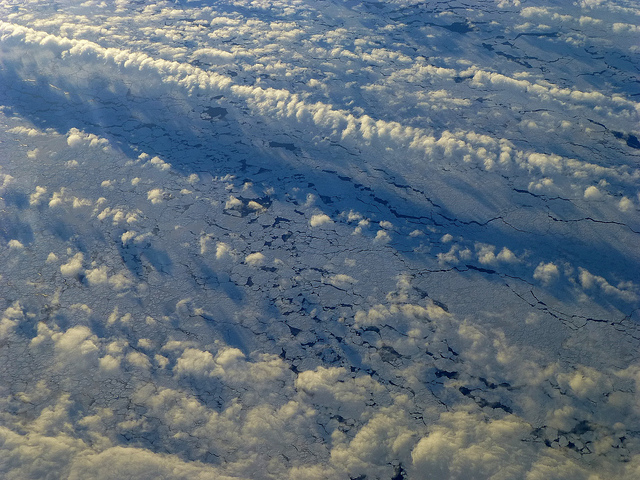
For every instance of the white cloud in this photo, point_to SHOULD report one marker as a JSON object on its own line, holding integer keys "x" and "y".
{"x": 76, "y": 138}
{"x": 155, "y": 195}
{"x": 507, "y": 255}
{"x": 97, "y": 276}
{"x": 253, "y": 205}
{"x": 15, "y": 244}
{"x": 36, "y": 198}
{"x": 334, "y": 387}
{"x": 624, "y": 290}
{"x": 592, "y": 193}
{"x": 233, "y": 203}
{"x": 222, "y": 250}
{"x": 122, "y": 462}
{"x": 320, "y": 219}
{"x": 382, "y": 237}
{"x": 73, "y": 267}
{"x": 546, "y": 272}
{"x": 341, "y": 280}
{"x": 160, "y": 164}
{"x": 263, "y": 411}
{"x": 120, "y": 281}
{"x": 255, "y": 259}
{"x": 625, "y": 204}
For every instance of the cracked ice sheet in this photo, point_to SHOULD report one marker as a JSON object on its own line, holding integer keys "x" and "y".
{"x": 319, "y": 240}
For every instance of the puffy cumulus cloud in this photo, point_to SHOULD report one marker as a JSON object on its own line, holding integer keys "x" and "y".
{"x": 341, "y": 280}
{"x": 255, "y": 259}
{"x": 387, "y": 437}
{"x": 231, "y": 365}
{"x": 233, "y": 203}
{"x": 97, "y": 276}
{"x": 214, "y": 55}
{"x": 73, "y": 267}
{"x": 5, "y": 180}
{"x": 30, "y": 132}
{"x": 129, "y": 462}
{"x": 382, "y": 237}
{"x": 35, "y": 454}
{"x": 379, "y": 314}
{"x": 294, "y": 413}
{"x": 625, "y": 204}
{"x": 10, "y": 319}
{"x": 121, "y": 281}
{"x": 76, "y": 341}
{"x": 486, "y": 254}
{"x": 335, "y": 388}
{"x": 204, "y": 242}
{"x": 159, "y": 164}
{"x": 534, "y": 11}
{"x": 592, "y": 193}
{"x": 62, "y": 198}
{"x": 540, "y": 185}
{"x": 455, "y": 254}
{"x": 255, "y": 206}
{"x": 119, "y": 215}
{"x": 156, "y": 195}
{"x": 15, "y": 244}
{"x": 625, "y": 28}
{"x": 77, "y": 137}
{"x": 37, "y": 197}
{"x": 546, "y": 272}
{"x": 468, "y": 445}
{"x": 462, "y": 445}
{"x": 586, "y": 382}
{"x": 320, "y": 219}
{"x": 222, "y": 250}
{"x": 625, "y": 290}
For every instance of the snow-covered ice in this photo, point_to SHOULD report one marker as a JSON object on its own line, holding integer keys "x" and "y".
{"x": 319, "y": 239}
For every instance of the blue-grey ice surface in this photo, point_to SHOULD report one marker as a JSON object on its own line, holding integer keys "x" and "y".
{"x": 319, "y": 239}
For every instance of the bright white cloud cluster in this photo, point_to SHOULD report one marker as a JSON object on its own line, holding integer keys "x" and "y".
{"x": 275, "y": 239}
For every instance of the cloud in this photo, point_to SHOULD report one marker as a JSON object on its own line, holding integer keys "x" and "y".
{"x": 255, "y": 259}
{"x": 120, "y": 281}
{"x": 320, "y": 219}
{"x": 36, "y": 198}
{"x": 341, "y": 280}
{"x": 625, "y": 204}
{"x": 129, "y": 462}
{"x": 76, "y": 138}
{"x": 486, "y": 254}
{"x": 233, "y": 203}
{"x": 15, "y": 244}
{"x": 374, "y": 380}
{"x": 546, "y": 272}
{"x": 382, "y": 237}
{"x": 592, "y": 193}
{"x": 624, "y": 290}
{"x": 222, "y": 250}
{"x": 463, "y": 446}
{"x": 73, "y": 267}
{"x": 160, "y": 164}
{"x": 97, "y": 276}
{"x": 156, "y": 195}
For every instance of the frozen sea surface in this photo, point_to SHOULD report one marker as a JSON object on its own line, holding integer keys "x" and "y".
{"x": 319, "y": 239}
